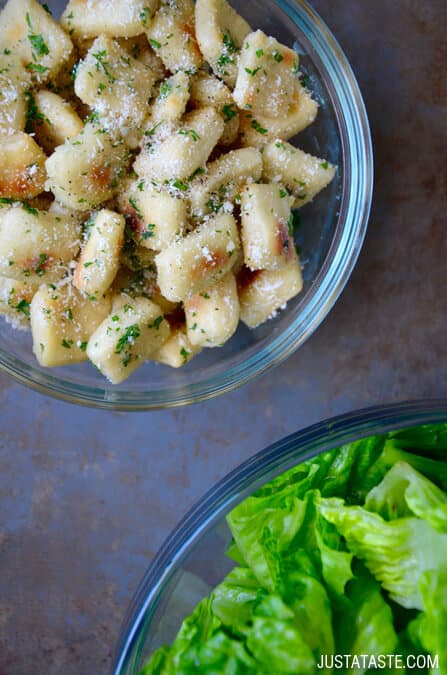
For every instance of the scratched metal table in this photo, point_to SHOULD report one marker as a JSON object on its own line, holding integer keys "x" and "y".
{"x": 87, "y": 497}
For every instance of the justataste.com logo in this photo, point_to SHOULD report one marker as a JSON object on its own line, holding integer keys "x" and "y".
{"x": 378, "y": 661}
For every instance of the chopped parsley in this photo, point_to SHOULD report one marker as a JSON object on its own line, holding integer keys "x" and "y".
{"x": 294, "y": 222}
{"x": 103, "y": 65}
{"x": 40, "y": 267}
{"x": 229, "y": 112}
{"x": 144, "y": 15}
{"x": 165, "y": 89}
{"x": 36, "y": 67}
{"x": 23, "y": 306}
{"x": 149, "y": 232}
{"x": 68, "y": 344}
{"x": 156, "y": 323}
{"x": 155, "y": 44}
{"x": 277, "y": 56}
{"x": 253, "y": 72}
{"x": 38, "y": 44}
{"x": 259, "y": 53}
{"x": 83, "y": 346}
{"x": 189, "y": 132}
{"x": 185, "y": 354}
{"x": 179, "y": 185}
{"x": 134, "y": 205}
{"x": 257, "y": 127}
{"x": 324, "y": 165}
{"x": 127, "y": 340}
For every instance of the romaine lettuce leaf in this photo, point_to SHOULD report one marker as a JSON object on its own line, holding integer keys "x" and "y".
{"x": 397, "y": 553}
{"x": 393, "y": 453}
{"x": 364, "y": 623}
{"x": 276, "y": 642}
{"x": 430, "y": 628}
{"x": 234, "y": 600}
{"x": 405, "y": 492}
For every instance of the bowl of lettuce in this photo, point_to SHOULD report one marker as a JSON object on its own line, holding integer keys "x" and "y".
{"x": 326, "y": 552}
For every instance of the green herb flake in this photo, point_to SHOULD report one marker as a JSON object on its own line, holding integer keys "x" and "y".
{"x": 155, "y": 44}
{"x": 277, "y": 56}
{"x": 253, "y": 72}
{"x": 68, "y": 344}
{"x": 185, "y": 354}
{"x": 23, "y": 306}
{"x": 324, "y": 165}
{"x": 83, "y": 346}
{"x": 36, "y": 67}
{"x": 127, "y": 340}
{"x": 257, "y": 127}
{"x": 178, "y": 185}
{"x": 134, "y": 205}
{"x": 157, "y": 323}
{"x": 189, "y": 132}
{"x": 229, "y": 112}
{"x": 40, "y": 267}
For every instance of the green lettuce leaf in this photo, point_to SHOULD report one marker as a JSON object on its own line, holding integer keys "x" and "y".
{"x": 427, "y": 439}
{"x": 406, "y": 492}
{"x": 275, "y": 641}
{"x": 392, "y": 454}
{"x": 364, "y": 622}
{"x": 257, "y": 520}
{"x": 430, "y": 628}
{"x": 234, "y": 600}
{"x": 397, "y": 553}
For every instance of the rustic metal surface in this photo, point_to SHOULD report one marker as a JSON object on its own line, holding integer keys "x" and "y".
{"x": 87, "y": 497}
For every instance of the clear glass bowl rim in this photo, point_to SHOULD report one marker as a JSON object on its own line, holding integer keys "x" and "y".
{"x": 243, "y": 481}
{"x": 330, "y": 282}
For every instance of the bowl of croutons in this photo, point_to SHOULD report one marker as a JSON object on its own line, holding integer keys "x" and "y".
{"x": 184, "y": 191}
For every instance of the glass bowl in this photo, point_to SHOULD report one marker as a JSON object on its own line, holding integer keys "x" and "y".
{"x": 331, "y": 235}
{"x": 193, "y": 560}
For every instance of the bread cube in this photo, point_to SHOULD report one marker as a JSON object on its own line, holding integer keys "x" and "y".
{"x": 100, "y": 258}
{"x": 85, "y": 171}
{"x": 155, "y": 216}
{"x": 62, "y": 320}
{"x": 55, "y": 120}
{"x": 220, "y": 34}
{"x": 172, "y": 98}
{"x": 127, "y": 337}
{"x": 304, "y": 175}
{"x": 199, "y": 260}
{"x": 207, "y": 90}
{"x": 267, "y": 79}
{"x": 177, "y": 351}
{"x": 184, "y": 151}
{"x": 15, "y": 301}
{"x": 263, "y": 293}
{"x": 171, "y": 33}
{"x": 36, "y": 246}
{"x": 115, "y": 84}
{"x": 22, "y": 167}
{"x": 30, "y": 33}
{"x": 223, "y": 180}
{"x": 13, "y": 84}
{"x": 212, "y": 317}
{"x": 259, "y": 130}
{"x": 266, "y": 211}
{"x": 113, "y": 18}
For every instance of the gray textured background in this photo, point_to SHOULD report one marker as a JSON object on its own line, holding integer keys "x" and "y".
{"x": 86, "y": 498}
